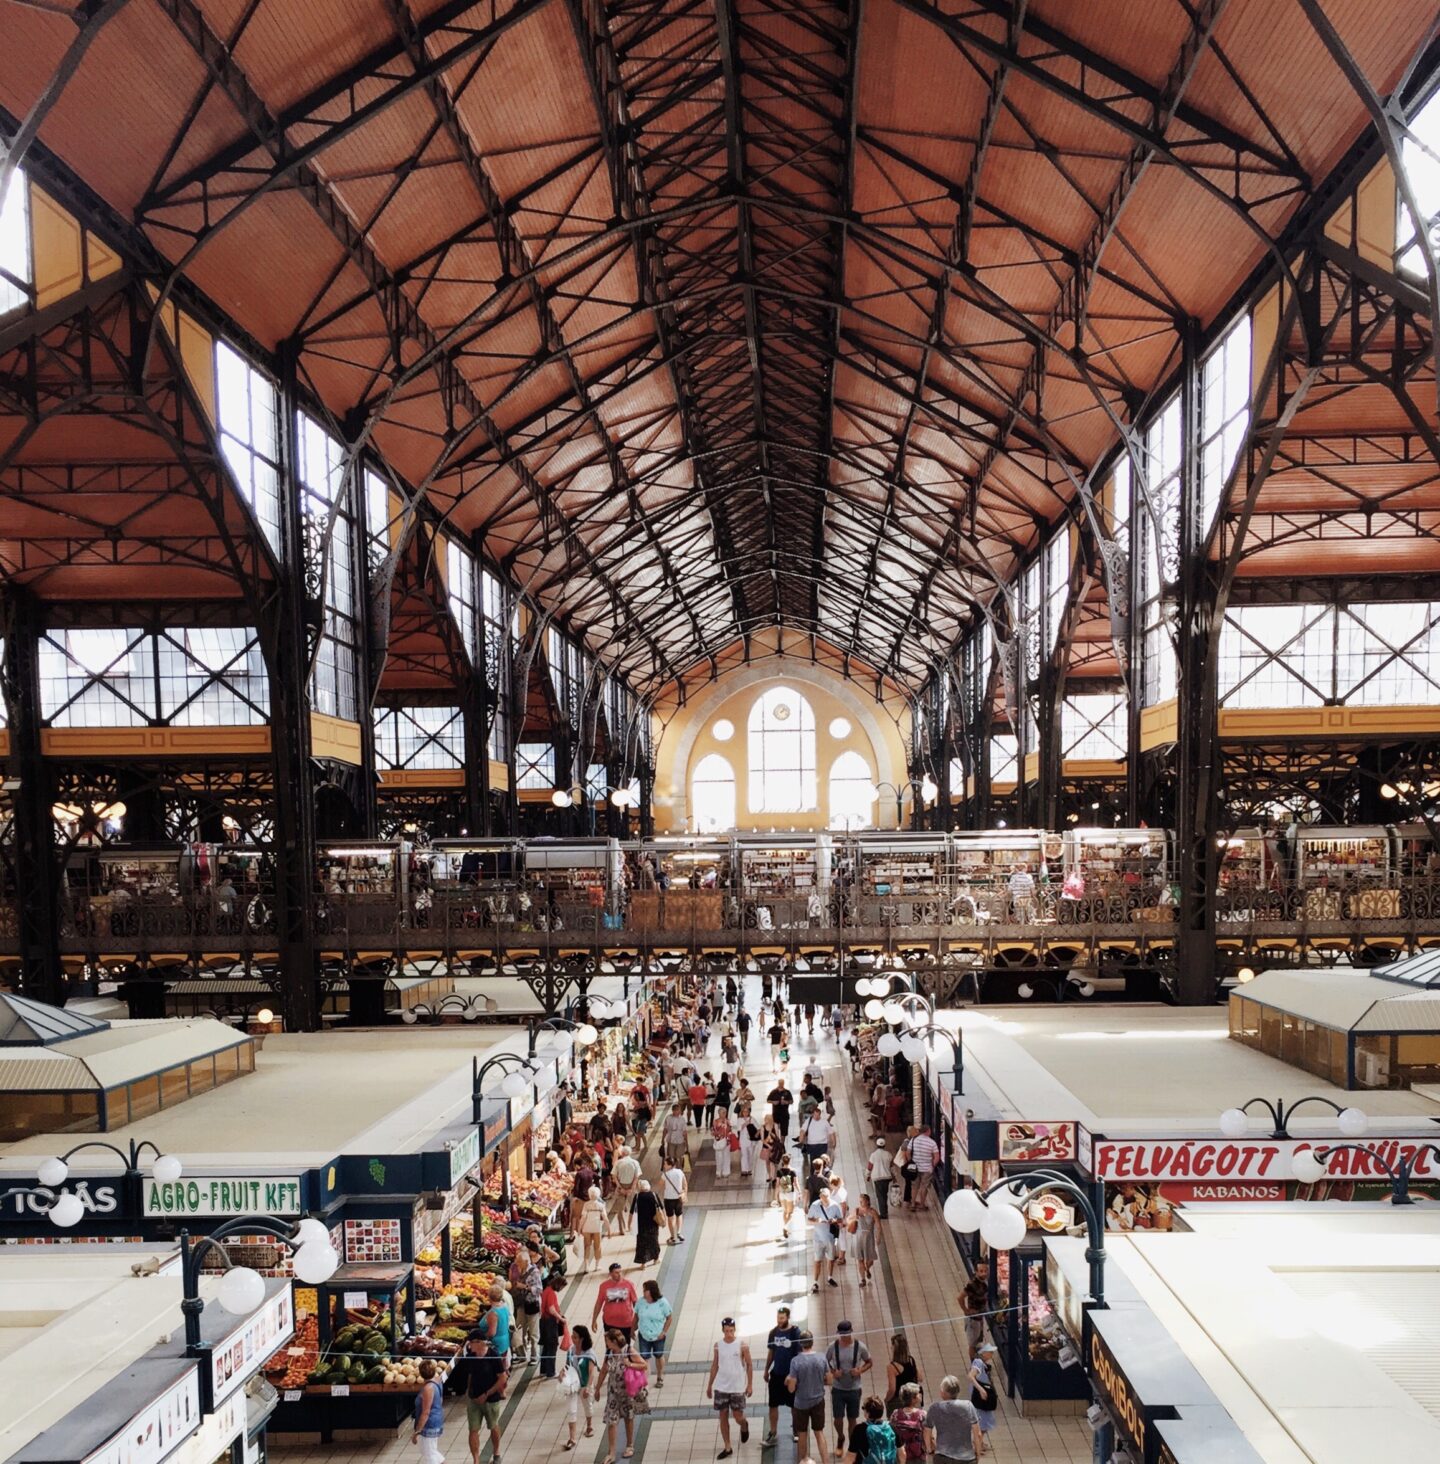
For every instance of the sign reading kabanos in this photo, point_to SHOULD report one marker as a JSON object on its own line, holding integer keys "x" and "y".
{"x": 1124, "y": 1160}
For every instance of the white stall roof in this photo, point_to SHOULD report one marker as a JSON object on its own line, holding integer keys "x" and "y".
{"x": 1345, "y": 1000}
{"x": 1422, "y": 969}
{"x": 113, "y": 1055}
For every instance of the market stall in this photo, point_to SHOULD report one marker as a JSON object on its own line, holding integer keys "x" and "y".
{"x": 1114, "y": 876}
{"x": 890, "y": 880}
{"x": 982, "y": 864}
{"x": 678, "y": 883}
{"x": 475, "y": 884}
{"x": 784, "y": 880}
{"x": 362, "y": 888}
{"x": 572, "y": 883}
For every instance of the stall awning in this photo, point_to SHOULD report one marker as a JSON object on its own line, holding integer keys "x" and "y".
{"x": 1345, "y": 1000}
{"x": 113, "y": 1055}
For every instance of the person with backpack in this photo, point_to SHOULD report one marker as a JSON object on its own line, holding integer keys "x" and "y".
{"x": 873, "y": 1440}
{"x": 908, "y": 1421}
{"x": 846, "y": 1361}
{"x": 983, "y": 1394}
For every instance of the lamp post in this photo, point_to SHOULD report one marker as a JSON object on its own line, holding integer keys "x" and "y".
{"x": 67, "y": 1209}
{"x": 63, "y": 1211}
{"x": 1310, "y": 1166}
{"x": 454, "y": 1002}
{"x": 1235, "y": 1122}
{"x": 242, "y": 1289}
{"x": 1002, "y": 1223}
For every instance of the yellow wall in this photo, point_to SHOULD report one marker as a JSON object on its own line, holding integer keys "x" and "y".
{"x": 687, "y": 737}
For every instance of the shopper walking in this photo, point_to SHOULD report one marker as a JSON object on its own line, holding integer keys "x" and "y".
{"x": 625, "y": 1377}
{"x": 984, "y": 1397}
{"x": 484, "y": 1372}
{"x": 731, "y": 1382}
{"x": 594, "y": 1223}
{"x": 720, "y": 1135}
{"x": 908, "y": 1421}
{"x": 864, "y": 1238}
{"x": 647, "y": 1225}
{"x": 673, "y": 1189}
{"x": 908, "y": 1172}
{"x": 429, "y": 1416}
{"x": 552, "y": 1325}
{"x": 581, "y": 1365}
{"x": 749, "y": 1143}
{"x": 816, "y": 1136}
{"x": 925, "y": 1156}
{"x": 807, "y": 1400}
{"x": 880, "y": 1170}
{"x": 781, "y": 1345}
{"x": 787, "y": 1189}
{"x": 615, "y": 1300}
{"x": 673, "y": 1139}
{"x": 872, "y": 1440}
{"x": 772, "y": 1147}
{"x": 900, "y": 1372}
{"x": 626, "y": 1174}
{"x": 526, "y": 1288}
{"x": 847, "y": 1360}
{"x": 780, "y": 1099}
{"x": 952, "y": 1427}
{"x": 824, "y": 1229}
{"x": 653, "y": 1315}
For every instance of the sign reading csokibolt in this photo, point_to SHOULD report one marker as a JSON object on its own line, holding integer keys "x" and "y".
{"x": 229, "y": 1194}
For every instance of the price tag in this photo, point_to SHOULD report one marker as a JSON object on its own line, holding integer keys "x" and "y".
{"x": 296, "y": 1351}
{"x": 292, "y": 1395}
{"x": 340, "y": 1390}
{"x": 356, "y": 1299}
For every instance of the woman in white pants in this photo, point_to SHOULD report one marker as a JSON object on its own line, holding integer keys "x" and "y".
{"x": 749, "y": 1143}
{"x": 839, "y": 1195}
{"x": 720, "y": 1131}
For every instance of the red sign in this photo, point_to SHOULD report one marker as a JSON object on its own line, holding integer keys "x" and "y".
{"x": 1030, "y": 1143}
{"x": 1211, "y": 1160}
{"x": 1222, "y": 1194}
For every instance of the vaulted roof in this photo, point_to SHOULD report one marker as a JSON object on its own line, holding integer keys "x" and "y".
{"x": 707, "y": 316}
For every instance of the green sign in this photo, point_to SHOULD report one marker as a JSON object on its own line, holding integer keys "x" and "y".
{"x": 464, "y": 1156}
{"x": 224, "y": 1195}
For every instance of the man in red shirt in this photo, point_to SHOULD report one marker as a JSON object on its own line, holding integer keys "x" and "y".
{"x": 615, "y": 1302}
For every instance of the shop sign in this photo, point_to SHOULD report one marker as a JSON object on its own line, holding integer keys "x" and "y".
{"x": 265, "y": 1194}
{"x": 1117, "y": 1394}
{"x": 1207, "y": 1160}
{"x": 100, "y": 1197}
{"x": 1050, "y": 1213}
{"x": 494, "y": 1125}
{"x": 156, "y": 1429}
{"x": 1084, "y": 1148}
{"x": 464, "y": 1156}
{"x": 1036, "y": 1143}
{"x": 219, "y": 1430}
{"x": 1222, "y": 1194}
{"x": 234, "y": 1360}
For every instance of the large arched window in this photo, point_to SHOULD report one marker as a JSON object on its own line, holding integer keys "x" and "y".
{"x": 852, "y": 792}
{"x": 712, "y": 795}
{"x": 782, "y": 753}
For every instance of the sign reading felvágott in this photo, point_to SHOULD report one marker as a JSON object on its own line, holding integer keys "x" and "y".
{"x": 231, "y": 1194}
{"x": 1210, "y": 1160}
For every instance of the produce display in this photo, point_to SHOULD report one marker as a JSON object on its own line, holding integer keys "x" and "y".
{"x": 293, "y": 1364}
{"x": 535, "y": 1199}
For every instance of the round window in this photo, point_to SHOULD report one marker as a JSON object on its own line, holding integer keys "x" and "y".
{"x": 840, "y": 727}
{"x": 723, "y": 730}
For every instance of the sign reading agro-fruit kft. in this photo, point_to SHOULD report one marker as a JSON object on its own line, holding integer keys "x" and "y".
{"x": 230, "y": 1194}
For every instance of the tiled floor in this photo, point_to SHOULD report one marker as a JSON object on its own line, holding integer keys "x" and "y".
{"x": 734, "y": 1262}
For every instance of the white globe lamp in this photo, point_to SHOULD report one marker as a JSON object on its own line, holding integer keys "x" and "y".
{"x": 1353, "y": 1122}
{"x": 586, "y": 1035}
{"x": 1003, "y": 1227}
{"x": 912, "y": 1048}
{"x": 1234, "y": 1123}
{"x": 1306, "y": 1167}
{"x": 315, "y": 1262}
{"x": 964, "y": 1210}
{"x": 514, "y": 1084}
{"x": 167, "y": 1169}
{"x": 241, "y": 1290}
{"x": 894, "y": 1011}
{"x": 311, "y": 1231}
{"x": 52, "y": 1172}
{"x": 888, "y": 1045}
{"x": 67, "y": 1210}
{"x": 874, "y": 1009}
{"x": 1008, "y": 1197}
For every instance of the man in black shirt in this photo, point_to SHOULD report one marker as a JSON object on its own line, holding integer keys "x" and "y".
{"x": 780, "y": 1346}
{"x": 780, "y": 1098}
{"x": 743, "y": 1023}
{"x": 482, "y": 1374}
